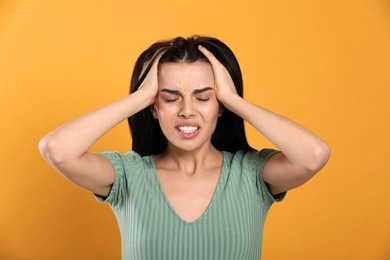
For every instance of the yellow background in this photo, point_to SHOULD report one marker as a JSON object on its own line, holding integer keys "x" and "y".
{"x": 324, "y": 64}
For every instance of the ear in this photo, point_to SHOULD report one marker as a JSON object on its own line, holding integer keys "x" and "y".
{"x": 221, "y": 109}
{"x": 153, "y": 111}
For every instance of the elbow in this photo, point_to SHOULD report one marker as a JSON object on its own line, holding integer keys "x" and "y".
{"x": 49, "y": 149}
{"x": 320, "y": 157}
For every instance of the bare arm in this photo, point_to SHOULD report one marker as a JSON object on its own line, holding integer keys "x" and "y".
{"x": 66, "y": 148}
{"x": 302, "y": 153}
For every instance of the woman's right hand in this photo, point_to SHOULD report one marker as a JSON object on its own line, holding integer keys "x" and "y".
{"x": 66, "y": 148}
{"x": 150, "y": 84}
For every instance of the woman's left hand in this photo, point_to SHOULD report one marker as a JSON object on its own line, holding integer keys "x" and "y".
{"x": 225, "y": 87}
{"x": 303, "y": 154}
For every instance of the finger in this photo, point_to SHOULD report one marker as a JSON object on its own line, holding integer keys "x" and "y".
{"x": 209, "y": 55}
{"x": 155, "y": 62}
{"x": 150, "y": 68}
{"x": 157, "y": 59}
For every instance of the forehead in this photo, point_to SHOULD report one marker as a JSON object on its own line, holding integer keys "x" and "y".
{"x": 182, "y": 74}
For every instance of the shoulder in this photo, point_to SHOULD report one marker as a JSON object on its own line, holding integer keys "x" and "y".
{"x": 129, "y": 160}
{"x": 252, "y": 158}
{"x": 251, "y": 165}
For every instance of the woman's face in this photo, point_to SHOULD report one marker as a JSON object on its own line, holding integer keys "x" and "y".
{"x": 186, "y": 105}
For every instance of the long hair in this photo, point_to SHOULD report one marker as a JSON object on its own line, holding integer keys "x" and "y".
{"x": 147, "y": 136}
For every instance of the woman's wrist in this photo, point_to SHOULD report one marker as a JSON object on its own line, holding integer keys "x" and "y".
{"x": 230, "y": 101}
{"x": 148, "y": 96}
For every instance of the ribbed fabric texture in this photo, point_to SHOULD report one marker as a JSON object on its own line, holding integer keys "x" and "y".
{"x": 230, "y": 228}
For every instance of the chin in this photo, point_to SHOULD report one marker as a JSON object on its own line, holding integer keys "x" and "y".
{"x": 187, "y": 146}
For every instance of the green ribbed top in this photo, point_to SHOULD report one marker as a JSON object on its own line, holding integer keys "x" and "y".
{"x": 230, "y": 228}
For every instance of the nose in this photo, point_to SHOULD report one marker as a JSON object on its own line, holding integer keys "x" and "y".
{"x": 187, "y": 109}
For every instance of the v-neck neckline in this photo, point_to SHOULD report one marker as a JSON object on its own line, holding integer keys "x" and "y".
{"x": 211, "y": 202}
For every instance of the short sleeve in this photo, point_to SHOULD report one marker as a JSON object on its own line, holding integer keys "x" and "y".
{"x": 119, "y": 189}
{"x": 263, "y": 157}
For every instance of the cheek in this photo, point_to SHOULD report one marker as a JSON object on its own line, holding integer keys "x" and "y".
{"x": 164, "y": 112}
{"x": 210, "y": 110}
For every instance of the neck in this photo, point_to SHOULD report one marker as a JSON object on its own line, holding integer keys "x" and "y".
{"x": 192, "y": 162}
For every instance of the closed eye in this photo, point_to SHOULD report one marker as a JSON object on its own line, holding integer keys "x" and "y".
{"x": 169, "y": 100}
{"x": 203, "y": 99}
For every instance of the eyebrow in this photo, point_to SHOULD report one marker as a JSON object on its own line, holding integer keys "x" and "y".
{"x": 177, "y": 92}
{"x": 197, "y": 91}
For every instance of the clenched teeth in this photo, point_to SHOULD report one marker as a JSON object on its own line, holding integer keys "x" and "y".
{"x": 188, "y": 129}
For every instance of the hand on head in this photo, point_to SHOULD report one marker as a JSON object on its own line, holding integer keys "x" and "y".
{"x": 150, "y": 83}
{"x": 224, "y": 84}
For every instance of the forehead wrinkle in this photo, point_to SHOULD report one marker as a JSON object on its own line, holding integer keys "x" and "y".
{"x": 185, "y": 78}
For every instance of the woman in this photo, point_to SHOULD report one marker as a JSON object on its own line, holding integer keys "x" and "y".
{"x": 192, "y": 187}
